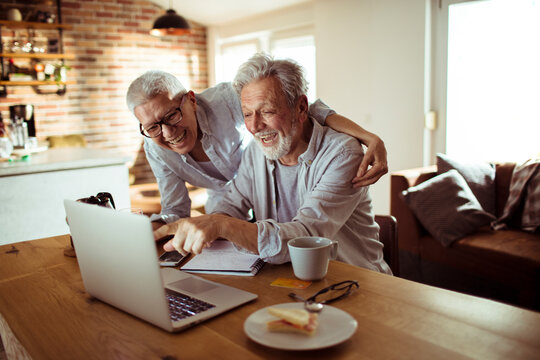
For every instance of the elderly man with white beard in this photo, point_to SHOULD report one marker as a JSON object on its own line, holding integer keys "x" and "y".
{"x": 291, "y": 176}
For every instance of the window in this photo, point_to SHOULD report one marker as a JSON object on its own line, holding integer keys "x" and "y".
{"x": 492, "y": 79}
{"x": 302, "y": 50}
{"x": 298, "y": 45}
{"x": 231, "y": 57}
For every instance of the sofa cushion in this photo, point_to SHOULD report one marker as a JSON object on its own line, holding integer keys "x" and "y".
{"x": 446, "y": 207}
{"x": 480, "y": 177}
{"x": 514, "y": 249}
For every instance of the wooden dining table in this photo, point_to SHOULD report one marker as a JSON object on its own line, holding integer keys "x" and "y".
{"x": 45, "y": 313}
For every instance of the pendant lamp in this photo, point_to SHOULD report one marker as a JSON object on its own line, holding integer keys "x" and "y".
{"x": 170, "y": 24}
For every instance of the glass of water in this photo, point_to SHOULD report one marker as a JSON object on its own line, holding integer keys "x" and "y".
{"x": 6, "y": 147}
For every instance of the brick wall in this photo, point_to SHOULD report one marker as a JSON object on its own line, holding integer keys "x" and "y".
{"x": 112, "y": 47}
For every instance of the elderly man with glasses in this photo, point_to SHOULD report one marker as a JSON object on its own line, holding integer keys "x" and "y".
{"x": 200, "y": 139}
{"x": 295, "y": 176}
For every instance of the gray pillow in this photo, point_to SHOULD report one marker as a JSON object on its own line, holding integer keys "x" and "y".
{"x": 446, "y": 207}
{"x": 480, "y": 177}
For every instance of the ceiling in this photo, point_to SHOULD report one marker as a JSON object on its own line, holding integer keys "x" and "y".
{"x": 217, "y": 12}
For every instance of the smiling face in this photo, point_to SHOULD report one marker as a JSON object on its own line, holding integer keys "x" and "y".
{"x": 275, "y": 126}
{"x": 180, "y": 138}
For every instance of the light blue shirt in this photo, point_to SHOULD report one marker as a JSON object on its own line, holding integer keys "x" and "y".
{"x": 224, "y": 139}
{"x": 328, "y": 204}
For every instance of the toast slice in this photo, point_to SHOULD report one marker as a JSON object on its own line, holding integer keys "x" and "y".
{"x": 293, "y": 321}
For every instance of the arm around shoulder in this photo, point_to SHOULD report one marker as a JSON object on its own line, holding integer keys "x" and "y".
{"x": 374, "y": 163}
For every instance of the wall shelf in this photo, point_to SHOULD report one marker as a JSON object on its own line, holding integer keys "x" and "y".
{"x": 36, "y": 83}
{"x": 29, "y": 26}
{"x": 33, "y": 25}
{"x": 38, "y": 56}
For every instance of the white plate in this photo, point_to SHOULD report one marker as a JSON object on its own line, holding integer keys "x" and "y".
{"x": 335, "y": 326}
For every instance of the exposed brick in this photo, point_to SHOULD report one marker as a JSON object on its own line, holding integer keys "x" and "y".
{"x": 103, "y": 14}
{"x": 71, "y": 4}
{"x": 112, "y": 8}
{"x": 90, "y": 21}
{"x": 92, "y": 6}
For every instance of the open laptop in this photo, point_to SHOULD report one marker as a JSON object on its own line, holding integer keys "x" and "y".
{"x": 118, "y": 260}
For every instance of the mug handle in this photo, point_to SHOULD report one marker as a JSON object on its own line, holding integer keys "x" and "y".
{"x": 333, "y": 250}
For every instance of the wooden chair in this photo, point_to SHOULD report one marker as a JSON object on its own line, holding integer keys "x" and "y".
{"x": 388, "y": 236}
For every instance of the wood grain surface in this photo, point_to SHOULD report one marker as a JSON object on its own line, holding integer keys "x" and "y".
{"x": 45, "y": 309}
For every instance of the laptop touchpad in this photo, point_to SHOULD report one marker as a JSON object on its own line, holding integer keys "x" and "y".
{"x": 192, "y": 285}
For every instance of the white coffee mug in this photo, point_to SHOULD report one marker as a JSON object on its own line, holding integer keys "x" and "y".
{"x": 310, "y": 256}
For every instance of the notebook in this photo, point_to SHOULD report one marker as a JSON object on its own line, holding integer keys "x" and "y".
{"x": 223, "y": 258}
{"x": 118, "y": 260}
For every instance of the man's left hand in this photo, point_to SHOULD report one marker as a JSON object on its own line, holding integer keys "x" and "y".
{"x": 376, "y": 158}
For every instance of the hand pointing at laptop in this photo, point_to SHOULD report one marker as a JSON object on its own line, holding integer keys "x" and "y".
{"x": 191, "y": 235}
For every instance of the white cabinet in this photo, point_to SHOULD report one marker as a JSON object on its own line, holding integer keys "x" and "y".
{"x": 32, "y": 192}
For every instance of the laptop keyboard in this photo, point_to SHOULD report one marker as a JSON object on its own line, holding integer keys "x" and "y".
{"x": 182, "y": 306}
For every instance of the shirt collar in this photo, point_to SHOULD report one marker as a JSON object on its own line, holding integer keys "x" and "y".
{"x": 314, "y": 143}
{"x": 202, "y": 119}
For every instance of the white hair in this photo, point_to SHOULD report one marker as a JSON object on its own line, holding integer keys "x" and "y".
{"x": 150, "y": 84}
{"x": 288, "y": 72}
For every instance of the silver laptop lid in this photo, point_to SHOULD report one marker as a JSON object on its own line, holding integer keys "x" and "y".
{"x": 119, "y": 265}
{"x": 117, "y": 258}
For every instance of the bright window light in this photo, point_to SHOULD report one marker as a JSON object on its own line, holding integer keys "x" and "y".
{"x": 230, "y": 58}
{"x": 493, "y": 93}
{"x": 301, "y": 50}
{"x": 298, "y": 45}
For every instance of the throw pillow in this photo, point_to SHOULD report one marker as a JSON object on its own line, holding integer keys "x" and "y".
{"x": 480, "y": 177}
{"x": 522, "y": 209}
{"x": 446, "y": 207}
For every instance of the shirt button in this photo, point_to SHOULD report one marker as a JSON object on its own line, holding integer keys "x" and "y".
{"x": 309, "y": 162}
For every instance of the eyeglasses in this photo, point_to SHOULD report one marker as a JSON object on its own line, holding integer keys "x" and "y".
{"x": 333, "y": 292}
{"x": 171, "y": 119}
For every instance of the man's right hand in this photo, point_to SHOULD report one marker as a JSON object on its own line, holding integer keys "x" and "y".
{"x": 191, "y": 235}
{"x": 157, "y": 224}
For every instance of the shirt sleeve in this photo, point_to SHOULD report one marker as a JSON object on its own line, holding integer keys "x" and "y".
{"x": 236, "y": 202}
{"x": 175, "y": 201}
{"x": 320, "y": 111}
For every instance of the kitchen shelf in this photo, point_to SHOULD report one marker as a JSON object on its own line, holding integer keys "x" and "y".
{"x": 36, "y": 83}
{"x": 60, "y": 56}
{"x": 33, "y": 25}
{"x": 38, "y": 56}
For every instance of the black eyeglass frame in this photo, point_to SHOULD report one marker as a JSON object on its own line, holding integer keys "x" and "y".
{"x": 347, "y": 284}
{"x": 164, "y": 121}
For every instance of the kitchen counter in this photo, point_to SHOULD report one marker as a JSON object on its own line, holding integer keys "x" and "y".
{"x": 32, "y": 191}
{"x": 62, "y": 159}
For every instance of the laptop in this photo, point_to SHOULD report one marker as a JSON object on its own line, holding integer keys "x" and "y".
{"x": 118, "y": 261}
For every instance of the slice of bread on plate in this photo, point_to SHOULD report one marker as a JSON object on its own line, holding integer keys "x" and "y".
{"x": 292, "y": 321}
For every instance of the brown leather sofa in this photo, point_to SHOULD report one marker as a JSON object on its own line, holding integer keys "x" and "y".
{"x": 501, "y": 265}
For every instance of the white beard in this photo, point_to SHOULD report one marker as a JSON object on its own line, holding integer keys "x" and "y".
{"x": 282, "y": 148}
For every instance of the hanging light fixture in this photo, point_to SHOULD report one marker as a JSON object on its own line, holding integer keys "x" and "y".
{"x": 170, "y": 24}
